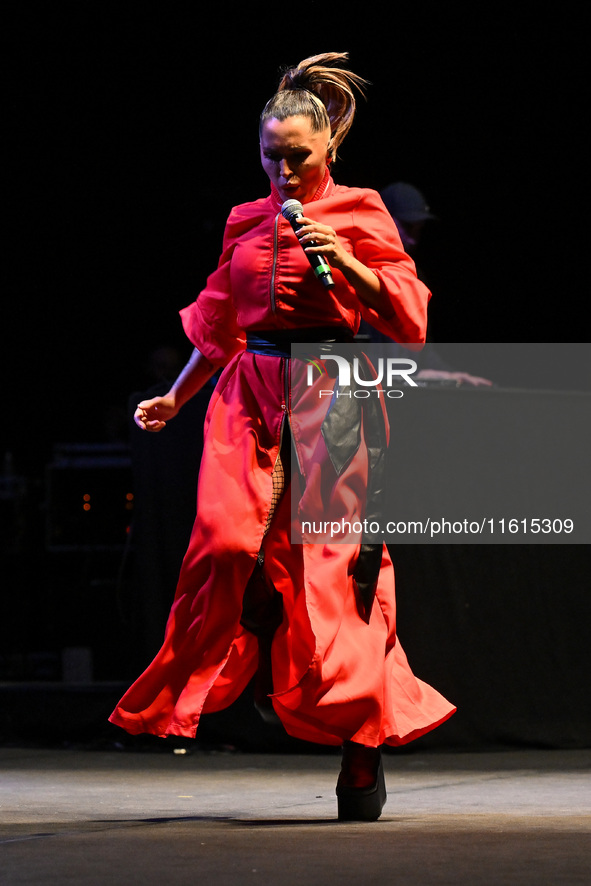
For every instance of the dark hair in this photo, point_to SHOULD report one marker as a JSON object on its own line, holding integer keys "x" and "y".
{"x": 320, "y": 90}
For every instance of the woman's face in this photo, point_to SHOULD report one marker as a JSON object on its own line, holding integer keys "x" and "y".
{"x": 294, "y": 157}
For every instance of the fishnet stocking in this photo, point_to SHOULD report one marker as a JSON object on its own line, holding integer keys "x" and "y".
{"x": 278, "y": 478}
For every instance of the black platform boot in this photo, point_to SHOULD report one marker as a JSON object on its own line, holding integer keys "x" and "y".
{"x": 361, "y": 788}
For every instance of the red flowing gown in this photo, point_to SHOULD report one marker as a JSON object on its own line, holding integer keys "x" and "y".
{"x": 336, "y": 676}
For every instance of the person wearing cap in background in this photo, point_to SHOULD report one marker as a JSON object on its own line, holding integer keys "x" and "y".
{"x": 410, "y": 211}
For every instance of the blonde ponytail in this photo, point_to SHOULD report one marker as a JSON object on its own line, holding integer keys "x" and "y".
{"x": 319, "y": 89}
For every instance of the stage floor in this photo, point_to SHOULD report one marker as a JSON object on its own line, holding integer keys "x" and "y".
{"x": 113, "y": 817}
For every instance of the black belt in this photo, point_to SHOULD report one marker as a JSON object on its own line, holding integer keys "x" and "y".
{"x": 278, "y": 342}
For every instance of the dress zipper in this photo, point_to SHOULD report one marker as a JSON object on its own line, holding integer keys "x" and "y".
{"x": 275, "y": 253}
{"x": 286, "y": 418}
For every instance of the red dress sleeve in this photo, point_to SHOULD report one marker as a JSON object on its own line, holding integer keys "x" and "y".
{"x": 379, "y": 247}
{"x": 210, "y": 322}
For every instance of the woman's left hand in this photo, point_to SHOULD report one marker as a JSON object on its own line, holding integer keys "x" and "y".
{"x": 322, "y": 239}
{"x": 327, "y": 243}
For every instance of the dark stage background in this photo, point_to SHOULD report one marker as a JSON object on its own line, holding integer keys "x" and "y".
{"x": 132, "y": 129}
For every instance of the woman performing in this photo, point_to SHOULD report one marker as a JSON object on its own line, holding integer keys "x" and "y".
{"x": 312, "y": 622}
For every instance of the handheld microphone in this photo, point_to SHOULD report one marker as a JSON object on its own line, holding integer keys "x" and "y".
{"x": 292, "y": 210}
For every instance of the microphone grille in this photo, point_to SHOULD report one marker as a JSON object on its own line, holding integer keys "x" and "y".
{"x": 291, "y": 209}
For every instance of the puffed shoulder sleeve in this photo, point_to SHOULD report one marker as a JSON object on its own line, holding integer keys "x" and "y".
{"x": 210, "y": 321}
{"x": 379, "y": 247}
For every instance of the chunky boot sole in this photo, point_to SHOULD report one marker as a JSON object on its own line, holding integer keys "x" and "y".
{"x": 362, "y": 804}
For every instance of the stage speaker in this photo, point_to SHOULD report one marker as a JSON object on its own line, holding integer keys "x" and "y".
{"x": 89, "y": 497}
